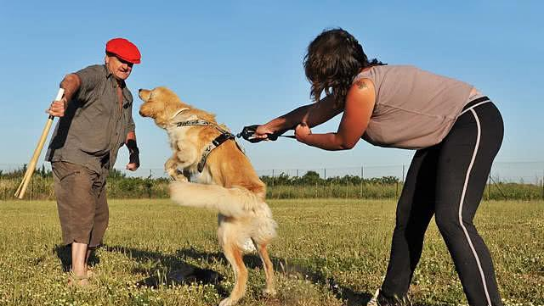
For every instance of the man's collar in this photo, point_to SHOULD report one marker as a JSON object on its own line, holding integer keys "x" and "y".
{"x": 109, "y": 75}
{"x": 108, "y": 72}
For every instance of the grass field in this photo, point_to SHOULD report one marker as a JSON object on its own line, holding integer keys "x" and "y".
{"x": 328, "y": 252}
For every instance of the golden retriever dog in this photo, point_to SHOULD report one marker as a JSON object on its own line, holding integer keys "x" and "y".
{"x": 226, "y": 182}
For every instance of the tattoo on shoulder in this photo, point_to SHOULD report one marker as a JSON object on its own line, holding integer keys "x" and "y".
{"x": 361, "y": 85}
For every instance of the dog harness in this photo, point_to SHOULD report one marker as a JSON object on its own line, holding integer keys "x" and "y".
{"x": 223, "y": 137}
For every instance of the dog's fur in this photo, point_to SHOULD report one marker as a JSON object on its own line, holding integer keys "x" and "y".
{"x": 228, "y": 183}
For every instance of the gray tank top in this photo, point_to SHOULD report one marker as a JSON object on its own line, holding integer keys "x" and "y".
{"x": 414, "y": 108}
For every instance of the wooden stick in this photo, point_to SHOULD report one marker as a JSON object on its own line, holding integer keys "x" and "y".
{"x": 20, "y": 193}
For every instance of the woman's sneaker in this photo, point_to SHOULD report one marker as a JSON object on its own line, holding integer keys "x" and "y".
{"x": 381, "y": 299}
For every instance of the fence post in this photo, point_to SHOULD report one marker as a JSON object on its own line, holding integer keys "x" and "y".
{"x": 31, "y": 187}
{"x": 362, "y": 179}
{"x": 543, "y": 185}
{"x": 289, "y": 190}
{"x": 488, "y": 187}
{"x": 1, "y": 185}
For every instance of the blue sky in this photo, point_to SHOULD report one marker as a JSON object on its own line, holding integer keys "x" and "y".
{"x": 242, "y": 60}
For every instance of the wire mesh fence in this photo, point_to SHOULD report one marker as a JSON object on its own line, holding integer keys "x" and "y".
{"x": 503, "y": 172}
{"x": 508, "y": 180}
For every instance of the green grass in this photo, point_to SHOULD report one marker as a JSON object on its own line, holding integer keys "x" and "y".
{"x": 328, "y": 252}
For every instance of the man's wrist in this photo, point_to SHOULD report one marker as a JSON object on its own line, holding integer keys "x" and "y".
{"x": 132, "y": 146}
{"x": 134, "y": 157}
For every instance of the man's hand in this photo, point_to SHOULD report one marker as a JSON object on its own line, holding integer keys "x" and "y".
{"x": 302, "y": 131}
{"x": 58, "y": 108}
{"x": 132, "y": 166}
{"x": 134, "y": 161}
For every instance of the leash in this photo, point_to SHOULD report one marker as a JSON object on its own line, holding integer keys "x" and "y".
{"x": 248, "y": 134}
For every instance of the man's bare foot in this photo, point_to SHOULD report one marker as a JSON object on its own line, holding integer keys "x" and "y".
{"x": 78, "y": 281}
{"x": 90, "y": 273}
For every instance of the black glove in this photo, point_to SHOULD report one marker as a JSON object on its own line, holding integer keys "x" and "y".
{"x": 134, "y": 156}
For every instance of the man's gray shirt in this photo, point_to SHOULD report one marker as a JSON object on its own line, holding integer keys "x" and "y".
{"x": 95, "y": 125}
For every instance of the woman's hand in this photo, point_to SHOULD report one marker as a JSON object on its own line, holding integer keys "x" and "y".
{"x": 262, "y": 132}
{"x": 302, "y": 131}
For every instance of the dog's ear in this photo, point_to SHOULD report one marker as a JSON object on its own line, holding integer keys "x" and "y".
{"x": 144, "y": 94}
{"x": 171, "y": 106}
{"x": 162, "y": 115}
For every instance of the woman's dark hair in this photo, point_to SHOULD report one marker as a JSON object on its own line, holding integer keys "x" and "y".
{"x": 334, "y": 58}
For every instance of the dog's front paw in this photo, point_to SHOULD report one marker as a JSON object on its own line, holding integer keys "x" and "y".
{"x": 226, "y": 302}
{"x": 171, "y": 168}
{"x": 176, "y": 175}
{"x": 269, "y": 292}
{"x": 180, "y": 177}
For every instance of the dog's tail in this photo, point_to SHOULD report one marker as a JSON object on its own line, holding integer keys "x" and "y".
{"x": 234, "y": 202}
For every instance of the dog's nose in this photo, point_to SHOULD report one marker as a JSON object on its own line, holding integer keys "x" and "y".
{"x": 140, "y": 90}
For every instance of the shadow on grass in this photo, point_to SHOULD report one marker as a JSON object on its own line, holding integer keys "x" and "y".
{"x": 180, "y": 272}
{"x": 282, "y": 266}
{"x": 165, "y": 269}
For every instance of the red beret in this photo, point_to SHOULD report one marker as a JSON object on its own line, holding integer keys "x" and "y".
{"x": 124, "y": 50}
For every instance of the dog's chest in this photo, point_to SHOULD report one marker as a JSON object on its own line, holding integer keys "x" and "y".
{"x": 183, "y": 147}
{"x": 177, "y": 136}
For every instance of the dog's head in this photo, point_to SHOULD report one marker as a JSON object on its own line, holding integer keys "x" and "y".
{"x": 161, "y": 104}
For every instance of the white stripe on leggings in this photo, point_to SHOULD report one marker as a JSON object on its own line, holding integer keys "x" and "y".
{"x": 472, "y": 107}
{"x": 461, "y": 207}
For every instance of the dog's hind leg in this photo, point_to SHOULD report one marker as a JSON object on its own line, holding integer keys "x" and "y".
{"x": 268, "y": 268}
{"x": 234, "y": 255}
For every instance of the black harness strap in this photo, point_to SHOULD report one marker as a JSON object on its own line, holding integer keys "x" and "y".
{"x": 215, "y": 143}
{"x": 223, "y": 137}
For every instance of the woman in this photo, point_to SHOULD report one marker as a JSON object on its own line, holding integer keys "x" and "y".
{"x": 456, "y": 131}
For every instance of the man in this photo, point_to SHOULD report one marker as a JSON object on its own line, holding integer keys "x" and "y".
{"x": 95, "y": 121}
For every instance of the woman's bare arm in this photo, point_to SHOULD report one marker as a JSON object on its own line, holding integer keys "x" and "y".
{"x": 313, "y": 115}
{"x": 357, "y": 112}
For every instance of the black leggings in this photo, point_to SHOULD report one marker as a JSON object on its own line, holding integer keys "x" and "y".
{"x": 448, "y": 181}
